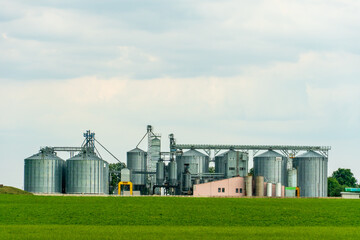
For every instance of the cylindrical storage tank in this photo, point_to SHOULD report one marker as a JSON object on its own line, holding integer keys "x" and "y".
{"x": 160, "y": 172}
{"x": 272, "y": 166}
{"x": 196, "y": 161}
{"x": 269, "y": 189}
{"x": 278, "y": 190}
{"x": 259, "y": 186}
{"x": 172, "y": 173}
{"x": 87, "y": 173}
{"x": 219, "y": 165}
{"x": 292, "y": 178}
{"x": 136, "y": 162}
{"x": 44, "y": 172}
{"x": 312, "y": 174}
{"x": 187, "y": 181}
{"x": 197, "y": 181}
{"x": 248, "y": 186}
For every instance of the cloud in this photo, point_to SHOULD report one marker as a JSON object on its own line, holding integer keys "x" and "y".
{"x": 260, "y": 72}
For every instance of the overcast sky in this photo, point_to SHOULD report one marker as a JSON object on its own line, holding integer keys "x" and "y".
{"x": 225, "y": 72}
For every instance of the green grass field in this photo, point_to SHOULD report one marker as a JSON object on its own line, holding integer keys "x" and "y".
{"x": 65, "y": 217}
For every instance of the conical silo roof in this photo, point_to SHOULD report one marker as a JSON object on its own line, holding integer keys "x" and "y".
{"x": 193, "y": 152}
{"x": 310, "y": 154}
{"x": 269, "y": 153}
{"x": 136, "y": 150}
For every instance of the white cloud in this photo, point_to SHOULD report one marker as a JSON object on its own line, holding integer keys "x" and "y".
{"x": 267, "y": 72}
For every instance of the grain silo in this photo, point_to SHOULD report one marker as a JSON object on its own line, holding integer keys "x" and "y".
{"x": 312, "y": 174}
{"x": 136, "y": 162}
{"x": 272, "y": 166}
{"x": 86, "y": 173}
{"x": 195, "y": 161}
{"x": 44, "y": 172}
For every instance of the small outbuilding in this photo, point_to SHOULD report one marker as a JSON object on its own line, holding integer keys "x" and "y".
{"x": 231, "y": 187}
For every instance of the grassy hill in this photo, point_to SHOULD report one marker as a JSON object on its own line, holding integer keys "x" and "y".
{"x": 12, "y": 190}
{"x": 65, "y": 217}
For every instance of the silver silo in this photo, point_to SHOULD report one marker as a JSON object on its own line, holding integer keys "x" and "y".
{"x": 44, "y": 172}
{"x": 160, "y": 172}
{"x": 272, "y": 166}
{"x": 87, "y": 173}
{"x": 219, "y": 166}
{"x": 312, "y": 174}
{"x": 136, "y": 161}
{"x": 292, "y": 178}
{"x": 195, "y": 161}
{"x": 172, "y": 173}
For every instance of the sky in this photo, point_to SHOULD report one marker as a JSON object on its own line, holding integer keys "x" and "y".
{"x": 219, "y": 72}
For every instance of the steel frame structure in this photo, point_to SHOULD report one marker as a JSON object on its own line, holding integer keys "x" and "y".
{"x": 289, "y": 151}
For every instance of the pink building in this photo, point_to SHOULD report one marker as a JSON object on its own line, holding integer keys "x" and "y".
{"x": 231, "y": 187}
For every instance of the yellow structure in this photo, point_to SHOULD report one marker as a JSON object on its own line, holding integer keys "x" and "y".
{"x": 125, "y": 183}
{"x": 297, "y": 191}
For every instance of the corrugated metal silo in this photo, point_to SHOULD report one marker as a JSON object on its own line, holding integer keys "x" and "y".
{"x": 219, "y": 166}
{"x": 272, "y": 166}
{"x": 87, "y": 173}
{"x": 197, "y": 162}
{"x": 312, "y": 174}
{"x": 160, "y": 172}
{"x": 136, "y": 161}
{"x": 172, "y": 173}
{"x": 292, "y": 178}
{"x": 44, "y": 172}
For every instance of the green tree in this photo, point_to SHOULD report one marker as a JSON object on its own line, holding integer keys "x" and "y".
{"x": 115, "y": 175}
{"x": 251, "y": 172}
{"x": 211, "y": 170}
{"x": 334, "y": 187}
{"x": 345, "y": 177}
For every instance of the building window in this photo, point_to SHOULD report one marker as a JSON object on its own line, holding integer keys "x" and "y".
{"x": 219, "y": 189}
{"x": 232, "y": 168}
{"x": 237, "y": 190}
{"x": 240, "y": 190}
{"x": 242, "y": 168}
{"x": 223, "y": 189}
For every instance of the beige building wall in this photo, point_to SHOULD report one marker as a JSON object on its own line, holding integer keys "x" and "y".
{"x": 231, "y": 187}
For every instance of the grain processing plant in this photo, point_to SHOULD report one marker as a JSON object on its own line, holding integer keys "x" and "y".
{"x": 278, "y": 170}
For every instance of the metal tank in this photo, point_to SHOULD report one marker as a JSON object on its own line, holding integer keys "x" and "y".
{"x": 136, "y": 162}
{"x": 272, "y": 166}
{"x": 195, "y": 161}
{"x": 160, "y": 172}
{"x": 278, "y": 189}
{"x": 219, "y": 166}
{"x": 87, "y": 173}
{"x": 259, "y": 186}
{"x": 269, "y": 189}
{"x": 172, "y": 173}
{"x": 44, "y": 172}
{"x": 187, "y": 181}
{"x": 248, "y": 186}
{"x": 292, "y": 178}
{"x": 312, "y": 174}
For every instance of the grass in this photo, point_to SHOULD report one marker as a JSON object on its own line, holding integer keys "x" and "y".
{"x": 65, "y": 217}
{"x": 12, "y": 190}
